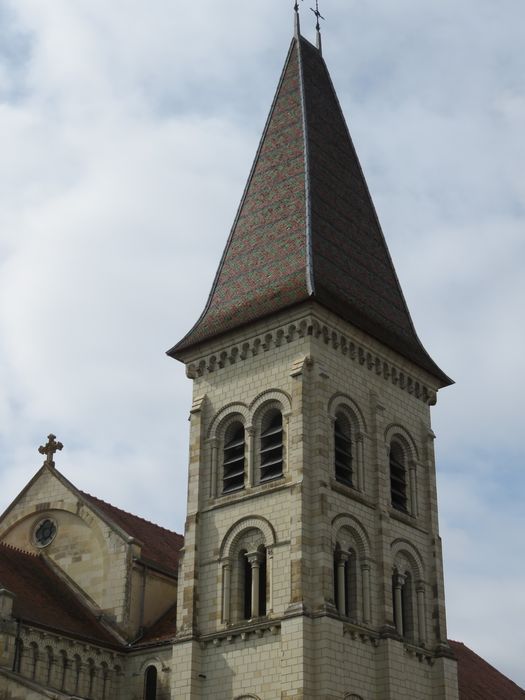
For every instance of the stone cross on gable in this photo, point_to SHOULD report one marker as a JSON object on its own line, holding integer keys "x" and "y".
{"x": 49, "y": 449}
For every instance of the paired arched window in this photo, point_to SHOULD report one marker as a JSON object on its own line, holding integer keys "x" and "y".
{"x": 150, "y": 683}
{"x": 271, "y": 445}
{"x": 233, "y": 458}
{"x": 343, "y": 457}
{"x": 398, "y": 477}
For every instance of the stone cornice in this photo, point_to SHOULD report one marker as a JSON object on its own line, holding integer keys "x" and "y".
{"x": 310, "y": 326}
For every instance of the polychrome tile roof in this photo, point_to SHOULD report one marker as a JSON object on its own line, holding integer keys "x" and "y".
{"x": 307, "y": 227}
{"x": 43, "y": 599}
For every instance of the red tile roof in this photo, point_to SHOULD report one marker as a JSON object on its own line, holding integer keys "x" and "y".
{"x": 307, "y": 227}
{"x": 42, "y": 598}
{"x": 159, "y": 545}
{"x": 478, "y": 680}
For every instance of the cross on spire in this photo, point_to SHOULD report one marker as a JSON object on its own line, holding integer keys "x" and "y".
{"x": 49, "y": 449}
{"x": 318, "y": 16}
{"x": 297, "y": 24}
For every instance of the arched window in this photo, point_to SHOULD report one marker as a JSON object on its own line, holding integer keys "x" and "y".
{"x": 49, "y": 665}
{"x": 150, "y": 683}
{"x": 91, "y": 678}
{"x": 20, "y": 651}
{"x": 271, "y": 446}
{"x": 78, "y": 669}
{"x": 34, "y": 659}
{"x": 105, "y": 682}
{"x": 234, "y": 458}
{"x": 343, "y": 450}
{"x": 398, "y": 478}
{"x": 63, "y": 670}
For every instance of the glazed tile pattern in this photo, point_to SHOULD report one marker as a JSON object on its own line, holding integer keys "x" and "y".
{"x": 307, "y": 227}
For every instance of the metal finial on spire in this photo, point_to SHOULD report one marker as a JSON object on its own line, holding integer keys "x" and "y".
{"x": 318, "y": 16}
{"x": 296, "y": 20}
{"x": 49, "y": 449}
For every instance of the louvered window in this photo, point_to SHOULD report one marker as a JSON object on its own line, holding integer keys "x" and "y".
{"x": 233, "y": 464}
{"x": 343, "y": 450}
{"x": 271, "y": 453}
{"x": 398, "y": 481}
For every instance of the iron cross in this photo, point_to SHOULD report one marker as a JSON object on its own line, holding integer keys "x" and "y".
{"x": 49, "y": 449}
{"x": 296, "y": 6}
{"x": 318, "y": 15}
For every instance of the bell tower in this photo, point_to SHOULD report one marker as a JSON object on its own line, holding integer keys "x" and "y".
{"x": 312, "y": 564}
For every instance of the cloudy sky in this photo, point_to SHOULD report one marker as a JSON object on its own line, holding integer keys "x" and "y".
{"x": 127, "y": 130}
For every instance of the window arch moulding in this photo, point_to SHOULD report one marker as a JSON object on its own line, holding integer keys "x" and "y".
{"x": 352, "y": 569}
{"x": 347, "y": 441}
{"x": 246, "y": 570}
{"x": 217, "y": 446}
{"x": 409, "y": 596}
{"x": 403, "y": 465}
{"x": 270, "y": 413}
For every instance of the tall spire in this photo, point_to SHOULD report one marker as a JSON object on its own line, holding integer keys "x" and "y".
{"x": 306, "y": 228}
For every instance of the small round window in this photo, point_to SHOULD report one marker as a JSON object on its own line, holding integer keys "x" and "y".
{"x": 45, "y": 532}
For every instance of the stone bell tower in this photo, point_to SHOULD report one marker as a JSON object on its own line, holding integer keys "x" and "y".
{"x": 312, "y": 564}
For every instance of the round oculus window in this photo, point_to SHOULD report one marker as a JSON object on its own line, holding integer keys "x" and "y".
{"x": 45, "y": 532}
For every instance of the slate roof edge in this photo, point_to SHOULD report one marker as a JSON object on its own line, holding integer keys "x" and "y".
{"x": 310, "y": 280}
{"x": 129, "y": 539}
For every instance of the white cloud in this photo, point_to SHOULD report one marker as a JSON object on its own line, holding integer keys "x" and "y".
{"x": 127, "y": 133}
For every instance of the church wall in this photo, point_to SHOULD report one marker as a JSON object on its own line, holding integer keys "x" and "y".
{"x": 237, "y": 387}
{"x": 69, "y": 665}
{"x": 307, "y": 509}
{"x": 85, "y": 548}
{"x": 136, "y": 665}
{"x": 152, "y": 594}
{"x": 237, "y": 666}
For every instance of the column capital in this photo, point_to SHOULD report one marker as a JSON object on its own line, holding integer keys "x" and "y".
{"x": 399, "y": 580}
{"x": 342, "y": 556}
{"x": 254, "y": 558}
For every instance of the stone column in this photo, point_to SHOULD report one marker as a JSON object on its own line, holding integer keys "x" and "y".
{"x": 226, "y": 590}
{"x": 214, "y": 446}
{"x": 342, "y": 558}
{"x": 254, "y": 559}
{"x": 414, "y": 509}
{"x": 269, "y": 575}
{"x": 249, "y": 472}
{"x": 421, "y": 612}
{"x": 399, "y": 582}
{"x": 360, "y": 461}
{"x": 365, "y": 579}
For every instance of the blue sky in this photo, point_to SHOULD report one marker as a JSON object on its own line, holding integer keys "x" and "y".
{"x": 127, "y": 130}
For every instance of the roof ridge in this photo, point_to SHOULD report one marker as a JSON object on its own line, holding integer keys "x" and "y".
{"x": 126, "y": 512}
